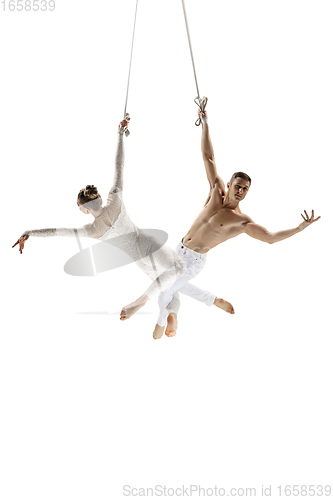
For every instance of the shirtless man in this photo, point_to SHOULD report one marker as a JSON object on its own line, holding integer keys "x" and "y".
{"x": 219, "y": 220}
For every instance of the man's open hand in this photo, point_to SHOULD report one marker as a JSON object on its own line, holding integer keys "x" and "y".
{"x": 308, "y": 220}
{"x": 21, "y": 242}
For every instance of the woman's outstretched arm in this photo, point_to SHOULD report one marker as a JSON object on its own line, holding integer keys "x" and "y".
{"x": 85, "y": 231}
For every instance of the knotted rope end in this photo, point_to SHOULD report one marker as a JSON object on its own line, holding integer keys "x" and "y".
{"x": 202, "y": 103}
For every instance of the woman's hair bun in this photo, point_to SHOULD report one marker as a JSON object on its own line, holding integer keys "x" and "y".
{"x": 90, "y": 194}
{"x": 90, "y": 190}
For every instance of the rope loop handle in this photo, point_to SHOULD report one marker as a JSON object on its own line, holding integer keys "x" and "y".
{"x": 126, "y": 131}
{"x": 202, "y": 103}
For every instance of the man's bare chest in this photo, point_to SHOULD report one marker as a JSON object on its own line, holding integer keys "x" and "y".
{"x": 221, "y": 218}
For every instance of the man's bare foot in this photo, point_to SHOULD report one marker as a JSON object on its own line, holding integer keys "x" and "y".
{"x": 131, "y": 309}
{"x": 223, "y": 304}
{"x": 171, "y": 328}
{"x": 158, "y": 332}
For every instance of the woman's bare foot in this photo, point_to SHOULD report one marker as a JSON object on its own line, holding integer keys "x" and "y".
{"x": 158, "y": 332}
{"x": 223, "y": 304}
{"x": 131, "y": 309}
{"x": 171, "y": 328}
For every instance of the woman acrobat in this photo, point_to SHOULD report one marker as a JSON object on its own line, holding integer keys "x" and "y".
{"x": 161, "y": 264}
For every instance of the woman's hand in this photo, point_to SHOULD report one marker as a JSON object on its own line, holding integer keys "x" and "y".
{"x": 124, "y": 123}
{"x": 22, "y": 239}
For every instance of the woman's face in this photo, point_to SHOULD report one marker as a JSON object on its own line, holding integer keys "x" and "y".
{"x": 83, "y": 209}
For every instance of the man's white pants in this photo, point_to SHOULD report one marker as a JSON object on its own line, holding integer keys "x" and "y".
{"x": 168, "y": 300}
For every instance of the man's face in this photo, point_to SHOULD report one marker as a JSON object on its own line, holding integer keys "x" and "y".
{"x": 238, "y": 189}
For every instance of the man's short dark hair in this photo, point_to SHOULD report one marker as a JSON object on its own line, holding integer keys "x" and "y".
{"x": 242, "y": 175}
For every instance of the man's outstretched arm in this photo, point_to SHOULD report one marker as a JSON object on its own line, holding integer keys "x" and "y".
{"x": 262, "y": 234}
{"x": 208, "y": 155}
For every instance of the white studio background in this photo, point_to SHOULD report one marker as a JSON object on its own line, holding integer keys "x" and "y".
{"x": 90, "y": 404}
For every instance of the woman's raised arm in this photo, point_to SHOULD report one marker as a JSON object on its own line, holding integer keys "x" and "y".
{"x": 118, "y": 181}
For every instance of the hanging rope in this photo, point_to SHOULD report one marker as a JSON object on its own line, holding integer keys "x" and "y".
{"x": 126, "y": 115}
{"x": 200, "y": 102}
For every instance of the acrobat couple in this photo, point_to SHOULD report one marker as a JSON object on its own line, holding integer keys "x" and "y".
{"x": 171, "y": 271}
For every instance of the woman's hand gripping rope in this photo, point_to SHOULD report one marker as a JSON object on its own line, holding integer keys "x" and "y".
{"x": 123, "y": 126}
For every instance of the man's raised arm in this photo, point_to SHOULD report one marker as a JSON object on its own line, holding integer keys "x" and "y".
{"x": 262, "y": 234}
{"x": 208, "y": 155}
